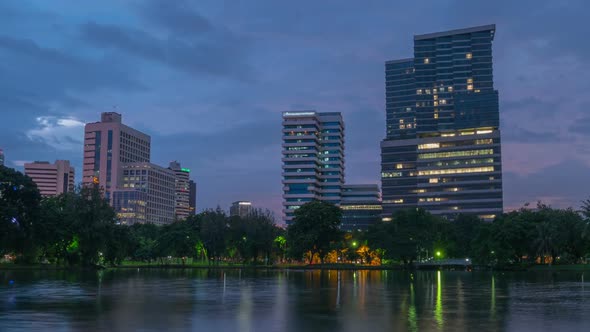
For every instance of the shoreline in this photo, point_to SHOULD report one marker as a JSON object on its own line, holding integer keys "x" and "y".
{"x": 343, "y": 267}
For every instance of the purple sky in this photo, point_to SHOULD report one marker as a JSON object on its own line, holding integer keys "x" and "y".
{"x": 208, "y": 81}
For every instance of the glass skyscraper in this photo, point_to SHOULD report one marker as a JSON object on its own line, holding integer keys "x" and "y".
{"x": 442, "y": 148}
{"x": 313, "y": 159}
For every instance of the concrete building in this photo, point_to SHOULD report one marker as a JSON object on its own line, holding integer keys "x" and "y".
{"x": 313, "y": 159}
{"x": 182, "y": 196}
{"x": 442, "y": 149}
{"x": 192, "y": 198}
{"x": 240, "y": 208}
{"x": 156, "y": 182}
{"x": 52, "y": 179}
{"x": 361, "y": 206}
{"x": 108, "y": 144}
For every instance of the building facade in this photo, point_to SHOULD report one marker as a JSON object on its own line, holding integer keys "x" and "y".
{"x": 182, "y": 196}
{"x": 361, "y": 206}
{"x": 52, "y": 179}
{"x": 240, "y": 208}
{"x": 158, "y": 184}
{"x": 442, "y": 149}
{"x": 313, "y": 159}
{"x": 130, "y": 206}
{"x": 108, "y": 144}
{"x": 192, "y": 197}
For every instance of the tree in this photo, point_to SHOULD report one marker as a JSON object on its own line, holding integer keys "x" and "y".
{"x": 94, "y": 218}
{"x": 213, "y": 227}
{"x": 19, "y": 214}
{"x": 314, "y": 228}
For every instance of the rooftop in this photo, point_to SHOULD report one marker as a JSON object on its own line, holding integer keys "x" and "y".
{"x": 480, "y": 28}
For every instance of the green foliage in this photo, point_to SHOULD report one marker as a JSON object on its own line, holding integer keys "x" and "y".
{"x": 19, "y": 212}
{"x": 314, "y": 229}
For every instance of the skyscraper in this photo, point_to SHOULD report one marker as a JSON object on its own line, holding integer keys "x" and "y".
{"x": 107, "y": 144}
{"x": 442, "y": 148}
{"x": 313, "y": 159}
{"x": 240, "y": 209}
{"x": 182, "y": 206}
{"x": 192, "y": 198}
{"x": 52, "y": 179}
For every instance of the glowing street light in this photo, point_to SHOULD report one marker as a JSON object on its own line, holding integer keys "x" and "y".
{"x": 354, "y": 243}
{"x": 438, "y": 254}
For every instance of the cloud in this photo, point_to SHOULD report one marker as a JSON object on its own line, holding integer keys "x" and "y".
{"x": 177, "y": 17}
{"x": 581, "y": 126}
{"x": 519, "y": 134}
{"x": 560, "y": 185}
{"x": 217, "y": 53}
{"x": 20, "y": 163}
{"x": 59, "y": 133}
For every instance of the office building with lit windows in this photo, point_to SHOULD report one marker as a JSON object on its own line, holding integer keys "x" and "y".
{"x": 313, "y": 159}
{"x": 442, "y": 149}
{"x": 52, "y": 179}
{"x": 361, "y": 206}
{"x": 108, "y": 144}
{"x": 240, "y": 209}
{"x": 182, "y": 196}
{"x": 158, "y": 187}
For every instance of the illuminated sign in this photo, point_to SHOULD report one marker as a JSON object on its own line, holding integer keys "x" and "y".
{"x": 185, "y": 170}
{"x": 298, "y": 113}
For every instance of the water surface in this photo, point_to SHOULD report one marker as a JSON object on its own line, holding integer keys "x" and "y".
{"x": 269, "y": 300}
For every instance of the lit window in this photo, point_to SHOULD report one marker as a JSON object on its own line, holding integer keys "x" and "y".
{"x": 435, "y": 103}
{"x": 402, "y": 126}
{"x": 429, "y": 146}
{"x": 391, "y": 174}
{"x": 427, "y": 91}
{"x": 457, "y": 170}
{"x": 481, "y": 132}
{"x": 419, "y": 91}
{"x": 477, "y": 90}
{"x": 450, "y": 89}
{"x": 443, "y": 101}
{"x": 426, "y": 60}
{"x": 433, "y": 180}
{"x": 463, "y": 133}
{"x": 399, "y": 166}
{"x": 469, "y": 87}
{"x": 447, "y": 134}
{"x": 468, "y": 55}
{"x": 436, "y": 115}
{"x": 434, "y": 90}
{"x": 470, "y": 81}
{"x": 398, "y": 201}
{"x": 401, "y": 120}
{"x": 409, "y": 126}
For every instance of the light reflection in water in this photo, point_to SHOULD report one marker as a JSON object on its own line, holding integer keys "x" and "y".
{"x": 412, "y": 316}
{"x": 438, "y": 310}
{"x": 493, "y": 293}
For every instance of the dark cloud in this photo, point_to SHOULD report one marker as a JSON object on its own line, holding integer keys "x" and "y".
{"x": 177, "y": 16}
{"x": 560, "y": 185}
{"x": 518, "y": 134}
{"x": 216, "y": 54}
{"x": 581, "y": 126}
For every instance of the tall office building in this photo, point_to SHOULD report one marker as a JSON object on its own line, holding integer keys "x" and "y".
{"x": 107, "y": 144}
{"x": 313, "y": 159}
{"x": 192, "y": 197}
{"x": 442, "y": 149}
{"x": 182, "y": 205}
{"x": 1, "y": 157}
{"x": 158, "y": 194}
{"x": 240, "y": 209}
{"x": 52, "y": 179}
{"x": 361, "y": 206}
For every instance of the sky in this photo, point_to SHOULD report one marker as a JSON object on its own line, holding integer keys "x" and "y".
{"x": 208, "y": 81}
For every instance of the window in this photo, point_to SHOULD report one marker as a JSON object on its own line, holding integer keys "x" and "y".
{"x": 457, "y": 170}
{"x": 429, "y": 146}
{"x": 391, "y": 174}
{"x": 433, "y": 180}
{"x": 470, "y": 81}
{"x": 426, "y": 60}
{"x": 468, "y": 56}
{"x": 399, "y": 166}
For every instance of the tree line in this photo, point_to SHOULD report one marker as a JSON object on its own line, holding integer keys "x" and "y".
{"x": 80, "y": 228}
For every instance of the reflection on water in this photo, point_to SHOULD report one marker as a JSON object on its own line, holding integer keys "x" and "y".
{"x": 268, "y": 300}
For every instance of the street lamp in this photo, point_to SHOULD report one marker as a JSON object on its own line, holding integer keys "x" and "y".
{"x": 354, "y": 243}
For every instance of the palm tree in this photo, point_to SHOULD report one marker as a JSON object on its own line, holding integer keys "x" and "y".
{"x": 544, "y": 241}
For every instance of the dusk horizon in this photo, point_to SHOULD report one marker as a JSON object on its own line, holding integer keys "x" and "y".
{"x": 209, "y": 85}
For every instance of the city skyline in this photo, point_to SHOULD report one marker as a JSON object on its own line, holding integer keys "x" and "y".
{"x": 302, "y": 64}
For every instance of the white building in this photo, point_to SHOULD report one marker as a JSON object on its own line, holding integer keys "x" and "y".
{"x": 313, "y": 159}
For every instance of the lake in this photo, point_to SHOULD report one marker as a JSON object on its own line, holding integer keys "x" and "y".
{"x": 273, "y": 300}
